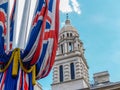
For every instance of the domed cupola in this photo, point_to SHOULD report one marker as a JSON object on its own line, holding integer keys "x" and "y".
{"x": 68, "y": 28}
{"x": 69, "y": 39}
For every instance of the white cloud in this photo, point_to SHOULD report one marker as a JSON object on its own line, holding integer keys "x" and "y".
{"x": 76, "y": 6}
{"x": 67, "y": 6}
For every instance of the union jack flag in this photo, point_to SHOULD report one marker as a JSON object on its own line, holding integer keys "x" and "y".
{"x": 50, "y": 40}
{"x": 42, "y": 45}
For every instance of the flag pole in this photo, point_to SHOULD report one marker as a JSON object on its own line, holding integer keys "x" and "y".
{"x": 28, "y": 32}
{"x": 15, "y": 27}
{"x": 24, "y": 25}
{"x": 8, "y": 28}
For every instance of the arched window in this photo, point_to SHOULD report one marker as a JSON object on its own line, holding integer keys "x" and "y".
{"x": 67, "y": 34}
{"x": 62, "y": 48}
{"x": 70, "y": 34}
{"x": 61, "y": 73}
{"x": 72, "y": 69}
{"x": 63, "y": 35}
{"x": 78, "y": 46}
{"x": 70, "y": 47}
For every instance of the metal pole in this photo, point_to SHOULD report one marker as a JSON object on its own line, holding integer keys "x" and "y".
{"x": 15, "y": 27}
{"x": 8, "y": 28}
{"x": 24, "y": 25}
{"x": 36, "y": 4}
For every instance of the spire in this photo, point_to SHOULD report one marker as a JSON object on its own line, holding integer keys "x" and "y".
{"x": 67, "y": 19}
{"x": 67, "y": 16}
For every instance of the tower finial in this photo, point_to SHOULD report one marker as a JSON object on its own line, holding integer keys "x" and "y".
{"x": 67, "y": 16}
{"x": 67, "y": 19}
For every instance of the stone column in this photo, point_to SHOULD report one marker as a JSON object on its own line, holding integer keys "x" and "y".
{"x": 65, "y": 47}
{"x": 67, "y": 72}
{"x": 55, "y": 74}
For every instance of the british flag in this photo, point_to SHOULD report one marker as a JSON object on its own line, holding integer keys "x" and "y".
{"x": 42, "y": 45}
{"x": 48, "y": 52}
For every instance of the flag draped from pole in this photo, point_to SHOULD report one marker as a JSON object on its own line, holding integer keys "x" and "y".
{"x": 36, "y": 60}
{"x": 47, "y": 55}
{"x": 42, "y": 44}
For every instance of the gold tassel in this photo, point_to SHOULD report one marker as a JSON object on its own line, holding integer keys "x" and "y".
{"x": 15, "y": 62}
{"x": 34, "y": 75}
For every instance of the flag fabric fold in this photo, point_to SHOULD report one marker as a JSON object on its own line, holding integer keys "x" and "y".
{"x": 50, "y": 40}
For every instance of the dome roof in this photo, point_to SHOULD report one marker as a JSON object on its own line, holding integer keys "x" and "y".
{"x": 68, "y": 27}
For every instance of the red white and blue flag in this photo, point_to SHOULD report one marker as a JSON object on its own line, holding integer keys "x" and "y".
{"x": 42, "y": 45}
{"x": 48, "y": 52}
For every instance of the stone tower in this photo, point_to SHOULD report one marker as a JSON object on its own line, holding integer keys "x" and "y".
{"x": 70, "y": 71}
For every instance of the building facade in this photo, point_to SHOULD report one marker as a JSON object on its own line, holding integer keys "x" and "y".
{"x": 70, "y": 71}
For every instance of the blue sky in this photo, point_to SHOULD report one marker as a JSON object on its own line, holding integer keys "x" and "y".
{"x": 98, "y": 24}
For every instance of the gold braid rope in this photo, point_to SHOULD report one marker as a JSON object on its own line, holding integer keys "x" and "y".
{"x": 15, "y": 57}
